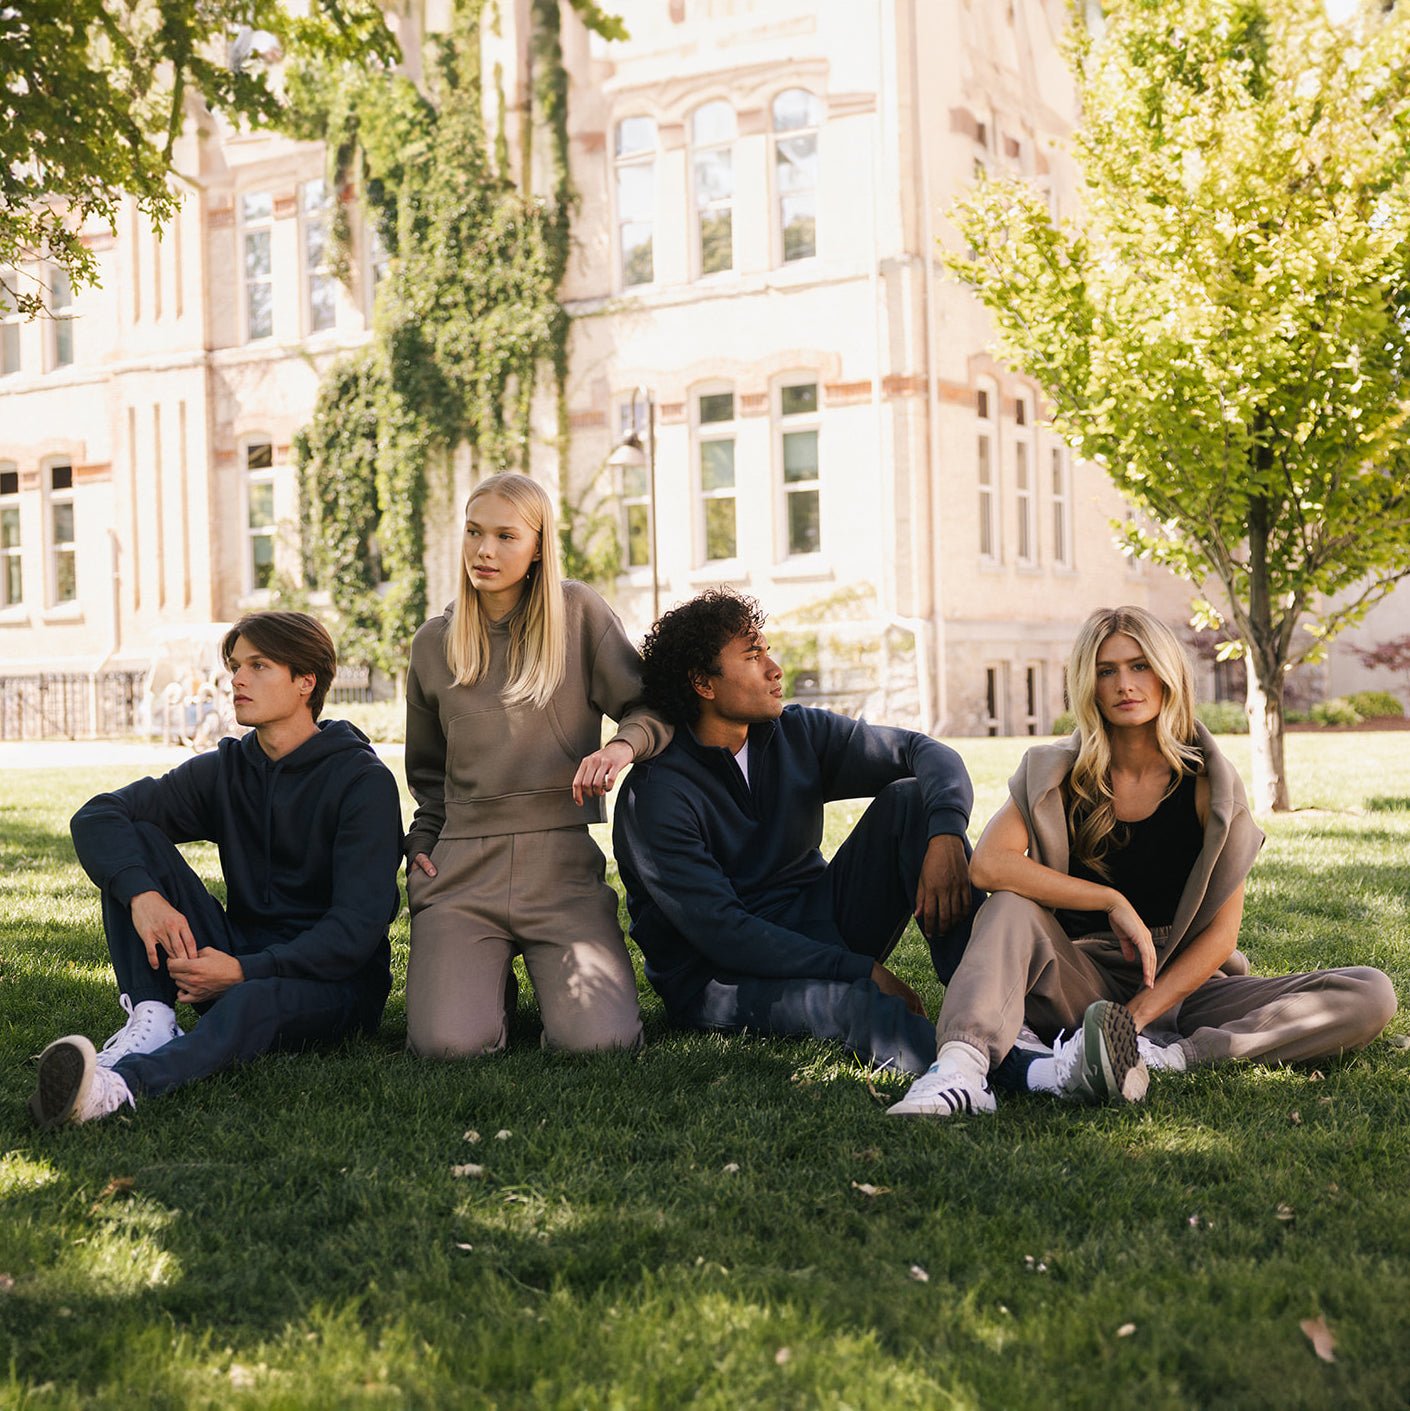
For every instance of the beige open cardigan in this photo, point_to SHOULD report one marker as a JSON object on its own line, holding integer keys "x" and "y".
{"x": 1231, "y": 837}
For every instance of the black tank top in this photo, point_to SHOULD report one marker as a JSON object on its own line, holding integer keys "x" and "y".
{"x": 1150, "y": 860}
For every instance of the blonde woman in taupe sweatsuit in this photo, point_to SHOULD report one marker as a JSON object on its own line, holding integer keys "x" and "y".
{"x": 505, "y": 698}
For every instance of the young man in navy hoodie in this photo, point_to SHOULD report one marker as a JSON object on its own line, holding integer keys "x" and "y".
{"x": 742, "y": 923}
{"x": 308, "y": 823}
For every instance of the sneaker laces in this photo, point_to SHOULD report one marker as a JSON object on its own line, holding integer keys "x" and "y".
{"x": 107, "y": 1092}
{"x": 137, "y": 1033}
{"x": 1067, "y": 1052}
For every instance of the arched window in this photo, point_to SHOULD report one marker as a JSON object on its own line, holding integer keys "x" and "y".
{"x": 636, "y": 198}
{"x": 712, "y": 134}
{"x": 796, "y": 115}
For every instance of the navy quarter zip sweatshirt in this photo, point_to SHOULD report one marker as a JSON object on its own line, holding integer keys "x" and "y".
{"x": 309, "y": 845}
{"x": 708, "y": 859}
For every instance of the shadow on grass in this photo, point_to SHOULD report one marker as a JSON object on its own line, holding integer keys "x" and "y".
{"x": 1388, "y": 803}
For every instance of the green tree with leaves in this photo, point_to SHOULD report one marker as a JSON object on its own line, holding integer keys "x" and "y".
{"x": 1224, "y": 326}
{"x": 93, "y": 96}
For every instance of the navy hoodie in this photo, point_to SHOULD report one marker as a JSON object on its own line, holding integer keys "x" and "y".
{"x": 309, "y": 844}
{"x": 709, "y": 861}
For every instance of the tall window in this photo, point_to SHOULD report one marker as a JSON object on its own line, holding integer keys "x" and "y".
{"x": 316, "y": 214}
{"x": 796, "y": 114}
{"x": 986, "y": 448}
{"x": 1024, "y": 498}
{"x": 379, "y": 259}
{"x": 717, "y": 493}
{"x": 256, "y": 237}
{"x": 636, "y": 489}
{"x": 1033, "y": 698}
{"x": 9, "y": 324}
{"x": 259, "y": 514}
{"x": 1062, "y": 509}
{"x": 63, "y": 557}
{"x": 995, "y": 699}
{"x": 712, "y": 131}
{"x": 61, "y": 307}
{"x": 11, "y": 569}
{"x": 798, "y": 417}
{"x": 636, "y": 198}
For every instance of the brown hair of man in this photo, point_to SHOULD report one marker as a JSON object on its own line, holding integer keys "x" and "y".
{"x": 294, "y": 640}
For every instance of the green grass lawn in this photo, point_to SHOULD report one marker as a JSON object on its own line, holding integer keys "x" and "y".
{"x": 684, "y": 1227}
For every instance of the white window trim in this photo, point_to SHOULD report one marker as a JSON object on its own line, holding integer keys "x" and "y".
{"x": 251, "y": 594}
{"x": 811, "y": 561}
{"x": 242, "y": 229}
{"x": 776, "y": 195}
{"x": 1060, "y": 492}
{"x": 1033, "y": 674}
{"x": 1025, "y": 499}
{"x": 307, "y": 274}
{"x": 701, "y": 433}
{"x": 645, "y": 157}
{"x": 990, "y": 506}
{"x": 59, "y": 314}
{"x": 11, "y": 319}
{"x": 11, "y": 501}
{"x": 714, "y": 207}
{"x": 632, "y": 415}
{"x": 997, "y": 722}
{"x": 52, "y": 548}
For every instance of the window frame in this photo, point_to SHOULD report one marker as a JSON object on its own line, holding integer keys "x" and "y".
{"x": 325, "y": 215}
{"x": 245, "y": 228}
{"x": 56, "y": 548}
{"x": 705, "y": 433}
{"x": 1060, "y": 498}
{"x": 989, "y": 500}
{"x": 1026, "y": 546}
{"x": 787, "y": 424}
{"x": 699, "y": 209}
{"x": 61, "y": 320}
{"x": 777, "y": 136}
{"x": 249, "y": 478}
{"x": 633, "y": 414}
{"x": 643, "y": 157}
{"x": 11, "y": 553}
{"x": 11, "y": 323}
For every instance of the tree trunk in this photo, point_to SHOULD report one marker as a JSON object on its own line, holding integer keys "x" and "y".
{"x": 1264, "y": 707}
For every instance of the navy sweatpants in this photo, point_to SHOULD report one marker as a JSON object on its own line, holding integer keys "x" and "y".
{"x": 861, "y": 903}
{"x": 250, "y": 1018}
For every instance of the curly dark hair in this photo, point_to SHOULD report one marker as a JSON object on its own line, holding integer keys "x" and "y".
{"x": 686, "y": 643}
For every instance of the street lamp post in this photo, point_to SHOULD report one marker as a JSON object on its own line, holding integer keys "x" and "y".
{"x": 632, "y": 453}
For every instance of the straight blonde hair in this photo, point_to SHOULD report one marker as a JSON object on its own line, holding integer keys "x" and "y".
{"x": 1091, "y": 808}
{"x": 537, "y": 633}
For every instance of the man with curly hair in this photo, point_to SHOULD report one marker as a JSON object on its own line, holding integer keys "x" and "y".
{"x": 742, "y": 923}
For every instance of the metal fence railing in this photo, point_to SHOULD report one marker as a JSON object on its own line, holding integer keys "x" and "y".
{"x": 70, "y": 705}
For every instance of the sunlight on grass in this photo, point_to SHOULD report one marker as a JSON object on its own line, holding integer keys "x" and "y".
{"x": 22, "y": 1173}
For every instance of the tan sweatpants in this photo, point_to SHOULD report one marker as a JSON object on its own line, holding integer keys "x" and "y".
{"x": 1021, "y": 965}
{"x": 542, "y": 895}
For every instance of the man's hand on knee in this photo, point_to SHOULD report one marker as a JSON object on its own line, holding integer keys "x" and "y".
{"x": 890, "y": 984}
{"x": 942, "y": 898}
{"x": 205, "y": 977}
{"x": 161, "y": 926}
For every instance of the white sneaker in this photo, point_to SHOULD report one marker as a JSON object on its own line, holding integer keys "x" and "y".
{"x": 1168, "y": 1058}
{"x": 73, "y": 1087}
{"x": 1101, "y": 1062}
{"x": 956, "y": 1084}
{"x": 150, "y": 1025}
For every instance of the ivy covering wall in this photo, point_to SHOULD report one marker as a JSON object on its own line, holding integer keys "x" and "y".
{"x": 467, "y": 320}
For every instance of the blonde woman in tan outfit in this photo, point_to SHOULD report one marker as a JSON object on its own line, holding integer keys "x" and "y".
{"x": 505, "y": 698}
{"x": 1117, "y": 869}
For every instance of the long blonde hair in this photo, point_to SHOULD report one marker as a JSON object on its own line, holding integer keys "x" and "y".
{"x": 537, "y": 635}
{"x": 1091, "y": 808}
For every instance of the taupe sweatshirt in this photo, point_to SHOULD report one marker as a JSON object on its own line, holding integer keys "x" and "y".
{"x": 478, "y": 768}
{"x": 1231, "y": 837}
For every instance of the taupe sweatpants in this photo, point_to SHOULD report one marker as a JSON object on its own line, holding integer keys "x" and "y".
{"x": 1020, "y": 964}
{"x": 542, "y": 895}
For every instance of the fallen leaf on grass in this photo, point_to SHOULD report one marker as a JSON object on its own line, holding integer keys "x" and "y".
{"x": 730, "y": 1166}
{"x": 503, "y": 1135}
{"x": 119, "y": 1185}
{"x": 1125, "y": 1330}
{"x": 1316, "y": 1331}
{"x": 467, "y": 1168}
{"x": 871, "y": 1088}
{"x": 783, "y": 1356}
{"x": 1400, "y": 1041}
{"x": 472, "y": 1135}
{"x": 1285, "y": 1213}
{"x": 460, "y": 1245}
{"x": 7, "y": 1282}
{"x": 1295, "y": 1117}
{"x": 919, "y": 1274}
{"x": 868, "y": 1189}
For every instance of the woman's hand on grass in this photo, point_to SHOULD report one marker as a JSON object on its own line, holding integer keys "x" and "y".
{"x": 599, "y": 770}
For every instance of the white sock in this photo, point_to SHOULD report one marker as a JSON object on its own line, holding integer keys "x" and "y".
{"x": 1042, "y": 1076}
{"x": 956, "y": 1054}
